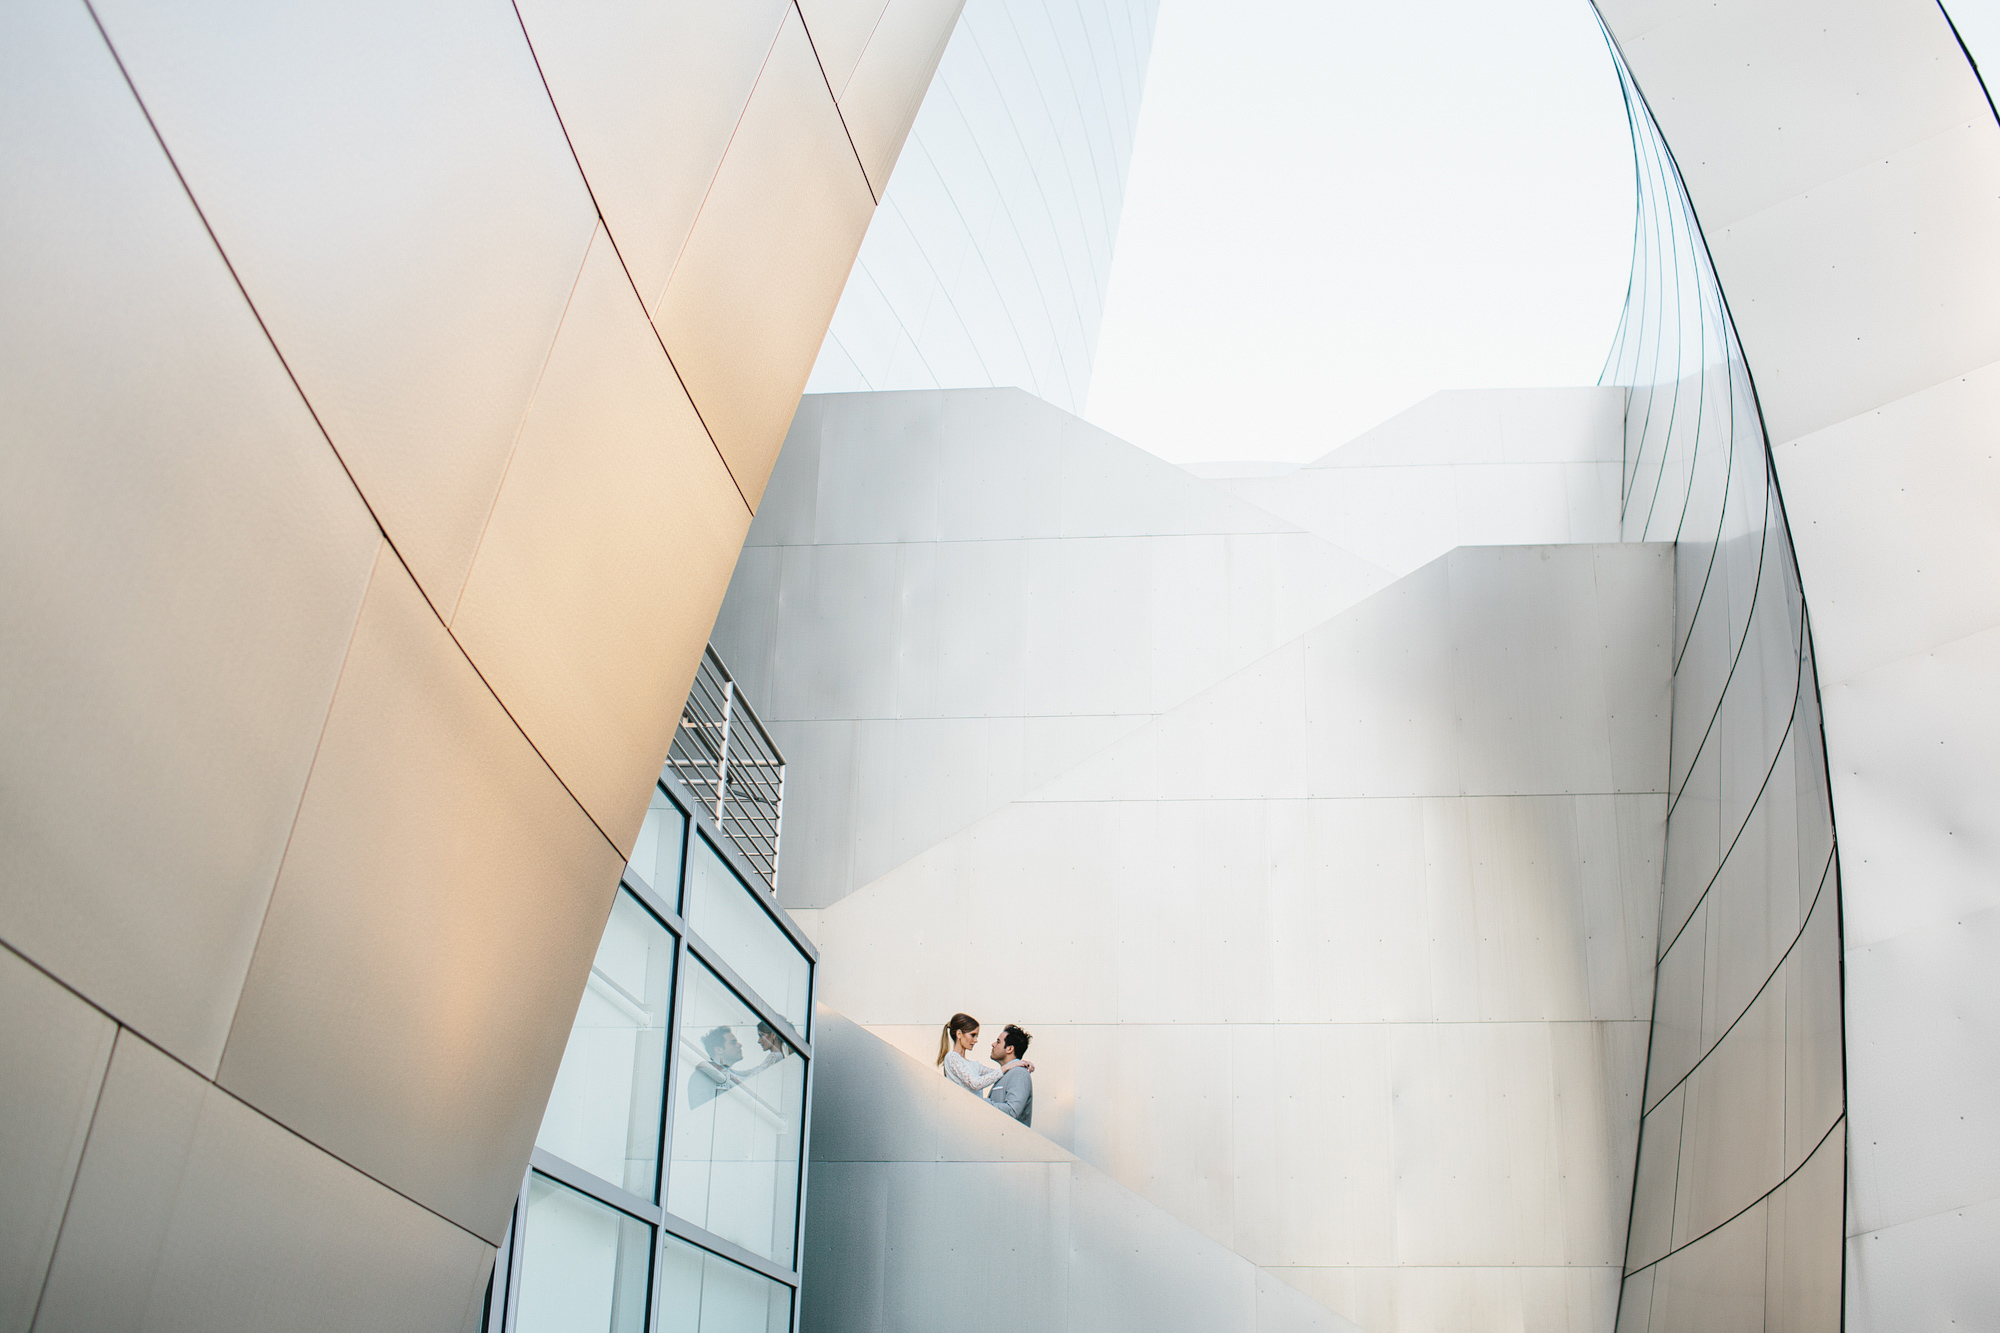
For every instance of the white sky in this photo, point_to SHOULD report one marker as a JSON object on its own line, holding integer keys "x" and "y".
{"x": 1336, "y": 209}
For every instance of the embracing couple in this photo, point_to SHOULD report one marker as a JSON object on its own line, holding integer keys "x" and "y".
{"x": 1013, "y": 1088}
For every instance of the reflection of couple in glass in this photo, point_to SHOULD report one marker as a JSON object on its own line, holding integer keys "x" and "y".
{"x": 725, "y": 1053}
{"x": 1007, "y": 1082}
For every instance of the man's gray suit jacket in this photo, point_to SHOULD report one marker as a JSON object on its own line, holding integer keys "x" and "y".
{"x": 1015, "y": 1094}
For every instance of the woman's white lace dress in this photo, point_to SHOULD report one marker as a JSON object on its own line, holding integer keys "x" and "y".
{"x": 969, "y": 1074}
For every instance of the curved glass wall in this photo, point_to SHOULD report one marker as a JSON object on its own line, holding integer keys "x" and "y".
{"x": 690, "y": 1037}
{"x": 987, "y": 260}
{"x": 1738, "y": 1201}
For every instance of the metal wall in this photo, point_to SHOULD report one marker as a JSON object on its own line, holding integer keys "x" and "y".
{"x": 949, "y": 598}
{"x": 930, "y": 1209}
{"x": 387, "y": 391}
{"x": 1736, "y": 1211}
{"x": 1844, "y": 165}
{"x": 1346, "y": 962}
{"x": 989, "y": 259}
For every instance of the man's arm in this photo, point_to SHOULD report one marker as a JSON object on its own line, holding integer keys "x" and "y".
{"x": 1010, "y": 1094}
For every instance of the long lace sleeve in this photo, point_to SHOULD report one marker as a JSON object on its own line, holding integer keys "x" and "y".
{"x": 973, "y": 1077}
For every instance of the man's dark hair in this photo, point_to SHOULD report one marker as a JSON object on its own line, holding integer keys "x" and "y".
{"x": 712, "y": 1040}
{"x": 1017, "y": 1039}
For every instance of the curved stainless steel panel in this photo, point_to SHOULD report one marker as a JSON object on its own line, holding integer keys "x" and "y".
{"x": 627, "y": 78}
{"x": 763, "y": 267}
{"x": 366, "y": 213}
{"x": 180, "y": 1182}
{"x": 606, "y": 556}
{"x": 185, "y": 561}
{"x": 455, "y": 958}
{"x": 52, "y": 1062}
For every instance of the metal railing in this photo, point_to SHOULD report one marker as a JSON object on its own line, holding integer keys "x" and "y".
{"x": 723, "y": 755}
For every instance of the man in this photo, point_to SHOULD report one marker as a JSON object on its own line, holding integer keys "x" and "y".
{"x": 1015, "y": 1092}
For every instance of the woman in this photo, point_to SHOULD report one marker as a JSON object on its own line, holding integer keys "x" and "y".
{"x": 955, "y": 1045}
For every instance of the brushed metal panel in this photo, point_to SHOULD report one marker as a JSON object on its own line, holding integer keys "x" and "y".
{"x": 1677, "y": 1007}
{"x": 841, "y": 601}
{"x": 1699, "y": 677}
{"x": 1619, "y": 844}
{"x": 1243, "y": 739}
{"x": 789, "y": 512}
{"x": 1519, "y": 503}
{"x": 195, "y": 1214}
{"x": 1754, "y": 898}
{"x": 748, "y": 304}
{"x": 1736, "y": 1102}
{"x": 1132, "y": 1265}
{"x": 1918, "y": 1095}
{"x": 1597, "y": 1076}
{"x": 1756, "y": 711}
{"x": 1910, "y": 745}
{"x": 367, "y": 213}
{"x": 1635, "y": 1303}
{"x": 1802, "y": 1288}
{"x": 1099, "y": 657}
{"x": 915, "y": 648}
{"x": 1815, "y": 1072}
{"x": 746, "y": 626}
{"x": 1173, "y": 1153}
{"x": 1809, "y": 786}
{"x": 879, "y": 100}
{"x": 53, "y": 1052}
{"x": 879, "y": 468}
{"x": 1694, "y": 843}
{"x": 1661, "y": 1135}
{"x": 1717, "y": 1283}
{"x": 439, "y": 905}
{"x": 1336, "y": 1120}
{"x": 1475, "y": 1145}
{"x": 1383, "y": 716}
{"x": 840, "y": 31}
{"x": 846, "y": 1246}
{"x": 982, "y": 630}
{"x": 1909, "y": 484}
{"x": 1345, "y": 935}
{"x": 1868, "y": 84}
{"x": 1532, "y": 696}
{"x": 1111, "y": 488}
{"x": 1932, "y": 1270}
{"x": 1635, "y": 621}
{"x": 1028, "y": 856}
{"x": 999, "y": 448}
{"x": 606, "y": 555}
{"x": 1821, "y": 358}
{"x": 1528, "y": 900}
{"x": 649, "y": 95}
{"x": 196, "y": 558}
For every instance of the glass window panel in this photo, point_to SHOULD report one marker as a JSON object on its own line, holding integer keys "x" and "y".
{"x": 739, "y": 1100}
{"x": 722, "y": 910}
{"x": 705, "y": 1293}
{"x": 604, "y": 1114}
{"x": 657, "y": 854}
{"x": 583, "y": 1264}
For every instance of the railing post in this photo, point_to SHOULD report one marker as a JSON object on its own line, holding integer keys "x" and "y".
{"x": 722, "y": 764}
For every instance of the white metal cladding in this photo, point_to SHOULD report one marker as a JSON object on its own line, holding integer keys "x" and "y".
{"x": 951, "y": 597}
{"x": 988, "y": 260}
{"x": 917, "y": 1187}
{"x": 1347, "y": 961}
{"x": 1743, "y": 1087}
{"x": 1845, "y": 168}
